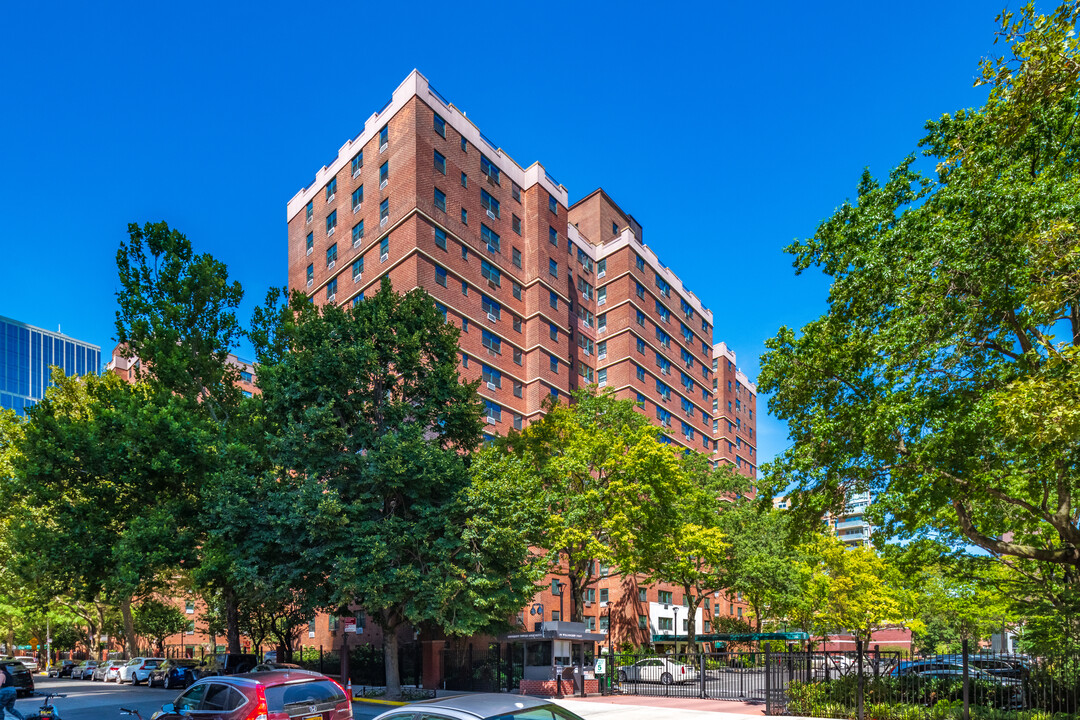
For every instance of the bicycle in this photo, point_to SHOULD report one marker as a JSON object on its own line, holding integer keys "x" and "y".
{"x": 46, "y": 711}
{"x": 135, "y": 713}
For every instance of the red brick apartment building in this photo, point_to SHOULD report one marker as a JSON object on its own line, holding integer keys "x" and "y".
{"x": 549, "y": 296}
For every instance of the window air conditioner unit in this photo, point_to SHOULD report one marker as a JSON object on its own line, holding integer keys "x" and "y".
{"x": 601, "y": 274}
{"x": 383, "y": 184}
{"x": 310, "y": 283}
{"x": 331, "y": 231}
{"x": 491, "y": 317}
{"x": 358, "y": 241}
{"x": 490, "y": 420}
{"x": 383, "y": 147}
{"x": 491, "y": 284}
{"x": 601, "y": 356}
{"x": 382, "y": 258}
{"x": 490, "y": 214}
{"x": 491, "y": 386}
{"x": 331, "y": 298}
{"x": 604, "y": 603}
{"x": 310, "y": 218}
{"x": 356, "y": 207}
{"x": 602, "y": 301}
{"x": 383, "y": 220}
{"x": 358, "y": 277}
{"x": 330, "y": 265}
{"x": 588, "y": 603}
{"x": 330, "y": 199}
{"x": 356, "y": 171}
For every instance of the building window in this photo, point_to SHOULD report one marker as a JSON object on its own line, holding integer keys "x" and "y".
{"x": 384, "y": 211}
{"x": 515, "y": 223}
{"x": 601, "y": 377}
{"x": 640, "y": 373}
{"x": 310, "y": 274}
{"x": 640, "y": 318}
{"x": 601, "y": 322}
{"x": 517, "y": 422}
{"x": 553, "y": 299}
{"x": 440, "y": 162}
{"x": 331, "y": 255}
{"x": 517, "y": 356}
{"x": 384, "y": 248}
{"x": 642, "y": 595}
{"x": 491, "y": 307}
{"x": 357, "y": 233}
{"x": 553, "y": 364}
{"x": 331, "y": 223}
{"x": 464, "y": 252}
{"x": 464, "y": 288}
{"x": 614, "y": 229}
{"x": 517, "y": 389}
{"x": 585, "y": 371}
{"x": 357, "y": 163}
{"x": 357, "y": 268}
{"x": 491, "y": 272}
{"x": 517, "y": 291}
{"x": 553, "y": 236}
{"x": 440, "y": 238}
{"x": 360, "y": 298}
{"x": 331, "y": 189}
{"x": 517, "y": 324}
{"x": 490, "y": 204}
{"x": 641, "y": 346}
{"x": 491, "y": 342}
{"x": 494, "y": 411}
{"x": 440, "y": 199}
{"x": 515, "y": 191}
{"x": 464, "y": 180}
{"x": 464, "y": 216}
{"x": 664, "y": 596}
{"x": 440, "y": 275}
{"x": 331, "y": 290}
{"x": 489, "y": 169}
{"x": 440, "y": 125}
{"x": 552, "y": 205}
{"x": 490, "y": 237}
{"x": 665, "y": 623}
{"x": 384, "y": 137}
{"x": 310, "y": 210}
{"x": 642, "y": 622}
{"x": 553, "y": 268}
{"x": 464, "y": 324}
{"x": 464, "y": 145}
{"x": 384, "y": 173}
{"x": 604, "y": 619}
{"x": 601, "y": 296}
{"x": 553, "y": 331}
{"x": 517, "y": 258}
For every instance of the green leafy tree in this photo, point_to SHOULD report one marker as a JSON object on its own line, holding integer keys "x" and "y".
{"x": 156, "y": 621}
{"x": 944, "y": 376}
{"x": 376, "y": 436}
{"x": 607, "y": 484}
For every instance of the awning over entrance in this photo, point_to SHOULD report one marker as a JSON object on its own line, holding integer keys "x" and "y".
{"x": 555, "y": 630}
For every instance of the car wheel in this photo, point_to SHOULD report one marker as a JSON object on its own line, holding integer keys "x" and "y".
{"x": 166, "y": 684}
{"x": 622, "y": 676}
{"x": 150, "y": 681}
{"x": 134, "y": 679}
{"x": 666, "y": 678}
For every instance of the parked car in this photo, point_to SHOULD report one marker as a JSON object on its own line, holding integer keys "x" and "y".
{"x": 84, "y": 670}
{"x": 30, "y": 663}
{"x": 173, "y": 673}
{"x": 996, "y": 666}
{"x": 18, "y": 677}
{"x": 480, "y": 706}
{"x": 935, "y": 668}
{"x": 62, "y": 669}
{"x": 138, "y": 669}
{"x": 228, "y": 664}
{"x": 661, "y": 670}
{"x": 112, "y": 670}
{"x": 278, "y": 694}
{"x": 102, "y": 669}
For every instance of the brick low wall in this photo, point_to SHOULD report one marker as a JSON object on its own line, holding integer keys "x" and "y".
{"x": 548, "y": 688}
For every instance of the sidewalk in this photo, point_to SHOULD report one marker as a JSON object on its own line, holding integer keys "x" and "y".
{"x": 646, "y": 708}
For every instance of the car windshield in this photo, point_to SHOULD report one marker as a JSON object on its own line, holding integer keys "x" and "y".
{"x": 278, "y": 697}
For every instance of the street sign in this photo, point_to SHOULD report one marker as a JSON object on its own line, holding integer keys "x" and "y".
{"x": 348, "y": 624}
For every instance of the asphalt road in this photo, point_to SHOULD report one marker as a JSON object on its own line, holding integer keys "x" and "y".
{"x": 102, "y": 701}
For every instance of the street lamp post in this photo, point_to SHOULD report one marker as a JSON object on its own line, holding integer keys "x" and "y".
{"x": 675, "y": 609}
{"x": 560, "y": 585}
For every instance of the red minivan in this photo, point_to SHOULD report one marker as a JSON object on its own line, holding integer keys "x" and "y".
{"x": 274, "y": 695}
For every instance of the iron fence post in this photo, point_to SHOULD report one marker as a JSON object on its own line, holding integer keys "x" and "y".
{"x": 701, "y": 675}
{"x": 768, "y": 681}
{"x": 859, "y": 669}
{"x": 967, "y": 684}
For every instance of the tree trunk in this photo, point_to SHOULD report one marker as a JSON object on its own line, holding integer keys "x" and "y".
{"x": 691, "y": 626}
{"x": 131, "y": 642}
{"x": 232, "y": 621}
{"x": 390, "y": 660}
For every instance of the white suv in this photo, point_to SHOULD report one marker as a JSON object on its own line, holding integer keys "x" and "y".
{"x": 137, "y": 670}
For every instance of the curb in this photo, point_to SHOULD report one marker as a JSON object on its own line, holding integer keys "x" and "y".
{"x": 374, "y": 701}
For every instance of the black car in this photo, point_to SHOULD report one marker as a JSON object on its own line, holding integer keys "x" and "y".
{"x": 174, "y": 673}
{"x": 18, "y": 677}
{"x": 228, "y": 664}
{"x": 62, "y": 669}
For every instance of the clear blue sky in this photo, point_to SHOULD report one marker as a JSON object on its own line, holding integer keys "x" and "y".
{"x": 727, "y": 130}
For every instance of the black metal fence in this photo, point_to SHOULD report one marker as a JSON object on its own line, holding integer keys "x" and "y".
{"x": 863, "y": 685}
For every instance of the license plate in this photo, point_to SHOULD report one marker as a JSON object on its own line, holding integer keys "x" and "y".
{"x": 45, "y": 713}
{"x": 312, "y": 717}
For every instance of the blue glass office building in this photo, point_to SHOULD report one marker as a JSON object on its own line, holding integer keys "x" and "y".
{"x": 26, "y": 354}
